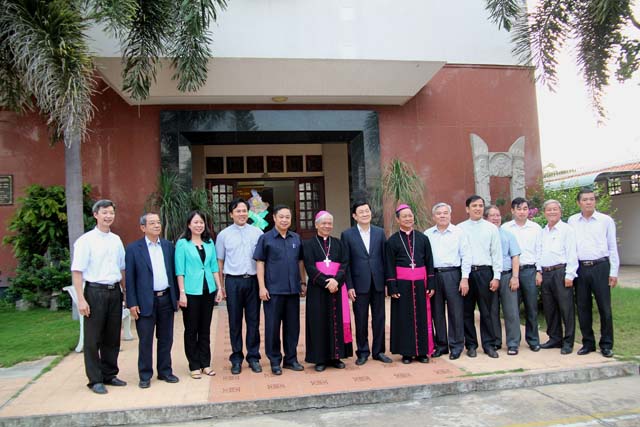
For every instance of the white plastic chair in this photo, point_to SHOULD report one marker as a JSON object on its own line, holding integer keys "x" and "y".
{"x": 126, "y": 319}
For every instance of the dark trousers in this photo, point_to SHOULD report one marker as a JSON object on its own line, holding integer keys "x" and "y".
{"x": 242, "y": 298}
{"x": 528, "y": 291}
{"x": 375, "y": 300}
{"x": 197, "y": 330}
{"x": 161, "y": 319}
{"x": 282, "y": 312}
{"x": 594, "y": 280}
{"x": 557, "y": 301}
{"x": 102, "y": 333}
{"x": 448, "y": 292}
{"x": 480, "y": 294}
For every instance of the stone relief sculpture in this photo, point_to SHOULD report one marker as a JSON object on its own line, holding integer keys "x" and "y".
{"x": 487, "y": 164}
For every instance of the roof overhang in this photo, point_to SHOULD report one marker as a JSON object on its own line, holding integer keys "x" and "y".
{"x": 287, "y": 81}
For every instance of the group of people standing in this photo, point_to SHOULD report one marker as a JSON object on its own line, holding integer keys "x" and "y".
{"x": 448, "y": 268}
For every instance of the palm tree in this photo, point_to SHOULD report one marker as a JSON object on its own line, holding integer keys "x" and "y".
{"x": 45, "y": 62}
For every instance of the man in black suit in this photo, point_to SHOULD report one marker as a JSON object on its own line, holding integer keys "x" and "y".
{"x": 152, "y": 298}
{"x": 365, "y": 281}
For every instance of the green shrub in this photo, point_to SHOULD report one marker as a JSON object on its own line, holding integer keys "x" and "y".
{"x": 567, "y": 198}
{"x": 40, "y": 243}
{"x": 40, "y": 276}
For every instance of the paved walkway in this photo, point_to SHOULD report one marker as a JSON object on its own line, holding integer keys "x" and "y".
{"x": 62, "y": 390}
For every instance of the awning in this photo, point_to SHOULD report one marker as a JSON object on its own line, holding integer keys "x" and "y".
{"x": 288, "y": 81}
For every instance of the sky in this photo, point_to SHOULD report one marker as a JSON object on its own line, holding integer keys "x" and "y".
{"x": 570, "y": 135}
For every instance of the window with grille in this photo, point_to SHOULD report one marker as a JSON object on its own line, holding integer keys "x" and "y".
{"x": 221, "y": 196}
{"x": 614, "y": 185}
{"x": 635, "y": 183}
{"x": 309, "y": 195}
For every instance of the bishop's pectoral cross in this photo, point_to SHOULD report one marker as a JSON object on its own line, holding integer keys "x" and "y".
{"x": 412, "y": 265}
{"x": 327, "y": 262}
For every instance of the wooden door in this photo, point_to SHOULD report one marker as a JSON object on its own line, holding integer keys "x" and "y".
{"x": 309, "y": 200}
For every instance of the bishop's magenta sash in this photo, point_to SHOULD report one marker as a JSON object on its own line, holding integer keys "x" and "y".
{"x": 331, "y": 270}
{"x": 419, "y": 274}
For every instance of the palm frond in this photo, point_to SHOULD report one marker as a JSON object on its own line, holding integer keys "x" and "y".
{"x": 49, "y": 51}
{"x": 144, "y": 45}
{"x": 504, "y": 12}
{"x": 401, "y": 184}
{"x": 190, "y": 51}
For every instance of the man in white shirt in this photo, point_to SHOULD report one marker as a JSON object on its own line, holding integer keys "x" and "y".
{"x": 98, "y": 262}
{"x": 452, "y": 264}
{"x": 559, "y": 264}
{"x": 484, "y": 279}
{"x": 597, "y": 273}
{"x": 529, "y": 236}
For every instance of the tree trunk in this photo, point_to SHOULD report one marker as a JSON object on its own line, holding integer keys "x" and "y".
{"x": 73, "y": 189}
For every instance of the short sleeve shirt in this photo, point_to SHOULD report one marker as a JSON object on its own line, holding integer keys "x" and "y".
{"x": 510, "y": 248}
{"x": 99, "y": 256}
{"x": 281, "y": 256}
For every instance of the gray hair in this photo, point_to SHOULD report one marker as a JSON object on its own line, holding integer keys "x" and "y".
{"x": 488, "y": 208}
{"x": 103, "y": 203}
{"x": 550, "y": 202}
{"x": 438, "y": 206}
{"x": 143, "y": 218}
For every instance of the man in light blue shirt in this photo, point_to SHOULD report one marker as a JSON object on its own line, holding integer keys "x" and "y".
{"x": 234, "y": 247}
{"x": 509, "y": 284}
{"x": 484, "y": 279}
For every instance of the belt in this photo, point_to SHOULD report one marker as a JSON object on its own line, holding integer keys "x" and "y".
{"x": 506, "y": 271}
{"x": 110, "y": 286}
{"x": 527, "y": 266}
{"x": 445, "y": 269}
{"x": 161, "y": 293}
{"x": 480, "y": 267}
{"x": 241, "y": 276}
{"x": 593, "y": 262}
{"x": 553, "y": 267}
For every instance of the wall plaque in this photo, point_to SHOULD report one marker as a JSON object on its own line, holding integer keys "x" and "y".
{"x": 6, "y": 189}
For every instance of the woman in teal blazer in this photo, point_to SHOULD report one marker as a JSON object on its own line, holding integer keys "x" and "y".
{"x": 198, "y": 280}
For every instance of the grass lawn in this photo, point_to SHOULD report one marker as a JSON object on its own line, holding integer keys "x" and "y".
{"x": 33, "y": 334}
{"x": 625, "y": 303}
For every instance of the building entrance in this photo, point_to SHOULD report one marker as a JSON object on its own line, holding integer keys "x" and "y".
{"x": 305, "y": 197}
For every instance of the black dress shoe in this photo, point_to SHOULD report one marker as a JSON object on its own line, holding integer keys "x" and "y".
{"x": 320, "y": 367}
{"x": 454, "y": 356}
{"x": 566, "y": 349}
{"x": 607, "y": 352}
{"x": 338, "y": 364}
{"x": 550, "y": 344}
{"x": 144, "y": 384}
{"x": 361, "y": 361}
{"x": 294, "y": 366}
{"x": 99, "y": 388}
{"x": 236, "y": 368}
{"x": 497, "y": 347}
{"x": 116, "y": 382}
{"x": 472, "y": 352}
{"x": 585, "y": 350}
{"x": 512, "y": 351}
{"x": 491, "y": 352}
{"x": 406, "y": 359}
{"x": 276, "y": 370}
{"x": 535, "y": 347}
{"x": 439, "y": 352}
{"x": 172, "y": 379}
{"x": 255, "y": 366}
{"x": 383, "y": 358}
{"x": 422, "y": 359}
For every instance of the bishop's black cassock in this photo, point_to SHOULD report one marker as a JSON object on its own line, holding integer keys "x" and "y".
{"x": 409, "y": 272}
{"x": 328, "y": 319}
